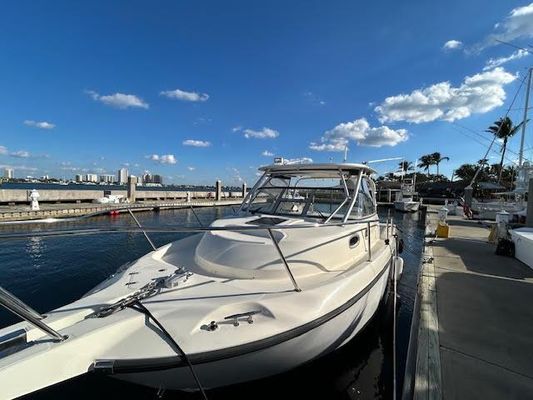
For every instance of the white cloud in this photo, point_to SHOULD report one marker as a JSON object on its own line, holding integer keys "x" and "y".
{"x": 163, "y": 159}
{"x": 236, "y": 175}
{"x": 267, "y": 153}
{"x": 265, "y": 133}
{"x": 325, "y": 146}
{"x": 362, "y": 133}
{"x": 301, "y": 160}
{"x": 479, "y": 93}
{"x": 236, "y": 129}
{"x": 119, "y": 100}
{"x": 196, "y": 143}
{"x": 314, "y": 98}
{"x": 68, "y": 168}
{"x": 19, "y": 167}
{"x": 3, "y": 150}
{"x": 20, "y": 154}
{"x": 496, "y": 62}
{"x": 517, "y": 25}
{"x": 40, "y": 125}
{"x": 452, "y": 45}
{"x": 185, "y": 96}
{"x": 191, "y": 168}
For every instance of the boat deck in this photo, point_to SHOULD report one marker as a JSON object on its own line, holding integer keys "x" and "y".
{"x": 475, "y": 320}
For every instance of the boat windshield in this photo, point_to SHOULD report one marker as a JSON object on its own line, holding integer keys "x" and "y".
{"x": 312, "y": 197}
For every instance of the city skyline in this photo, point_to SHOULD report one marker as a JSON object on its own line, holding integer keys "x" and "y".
{"x": 142, "y": 92}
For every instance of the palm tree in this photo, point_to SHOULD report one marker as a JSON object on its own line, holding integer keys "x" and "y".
{"x": 466, "y": 172}
{"x": 504, "y": 129}
{"x": 405, "y": 166}
{"x": 437, "y": 159}
{"x": 425, "y": 162}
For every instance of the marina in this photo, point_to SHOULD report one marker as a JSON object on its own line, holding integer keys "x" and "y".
{"x": 266, "y": 200}
{"x": 260, "y": 204}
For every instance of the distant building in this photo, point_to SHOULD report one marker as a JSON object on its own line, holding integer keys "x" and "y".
{"x": 107, "y": 178}
{"x": 157, "y": 179}
{"x": 122, "y": 176}
{"x": 79, "y": 178}
{"x": 91, "y": 178}
{"x": 147, "y": 178}
{"x": 9, "y": 173}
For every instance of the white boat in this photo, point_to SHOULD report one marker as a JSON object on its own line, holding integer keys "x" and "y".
{"x": 289, "y": 278}
{"x": 111, "y": 199}
{"x": 523, "y": 241}
{"x": 489, "y": 209}
{"x": 404, "y": 199}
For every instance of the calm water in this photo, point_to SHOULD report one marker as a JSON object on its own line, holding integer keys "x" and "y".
{"x": 48, "y": 273}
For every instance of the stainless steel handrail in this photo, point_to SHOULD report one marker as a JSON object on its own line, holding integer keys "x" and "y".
{"x": 369, "y": 234}
{"x": 17, "y": 307}
{"x": 7, "y": 296}
{"x": 174, "y": 229}
{"x": 142, "y": 230}
{"x": 282, "y": 256}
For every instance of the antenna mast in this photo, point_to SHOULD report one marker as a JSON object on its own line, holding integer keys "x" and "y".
{"x": 524, "y": 123}
{"x": 346, "y": 150}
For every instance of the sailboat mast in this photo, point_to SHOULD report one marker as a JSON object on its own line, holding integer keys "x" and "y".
{"x": 521, "y": 155}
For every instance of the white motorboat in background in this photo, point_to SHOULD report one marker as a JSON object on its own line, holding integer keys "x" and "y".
{"x": 523, "y": 241}
{"x": 295, "y": 274}
{"x": 404, "y": 201}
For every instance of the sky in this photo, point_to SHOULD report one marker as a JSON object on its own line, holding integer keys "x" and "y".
{"x": 206, "y": 90}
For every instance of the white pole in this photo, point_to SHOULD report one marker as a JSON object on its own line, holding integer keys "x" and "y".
{"x": 521, "y": 155}
{"x": 345, "y": 152}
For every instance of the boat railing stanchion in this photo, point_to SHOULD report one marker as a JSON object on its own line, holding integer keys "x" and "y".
{"x": 142, "y": 230}
{"x": 388, "y": 222}
{"x": 196, "y": 216}
{"x": 369, "y": 241}
{"x": 18, "y": 307}
{"x": 10, "y": 297}
{"x": 276, "y": 245}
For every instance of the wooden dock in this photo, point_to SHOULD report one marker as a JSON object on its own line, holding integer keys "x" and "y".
{"x": 472, "y": 335}
{"x": 65, "y": 210}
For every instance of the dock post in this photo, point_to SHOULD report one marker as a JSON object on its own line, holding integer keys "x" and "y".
{"x": 218, "y": 193}
{"x": 244, "y": 190}
{"x": 132, "y": 186}
{"x": 529, "y": 217}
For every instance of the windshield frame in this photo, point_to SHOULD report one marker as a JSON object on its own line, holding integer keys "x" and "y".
{"x": 349, "y": 200}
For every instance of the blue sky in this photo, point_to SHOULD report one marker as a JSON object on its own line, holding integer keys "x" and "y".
{"x": 198, "y": 91}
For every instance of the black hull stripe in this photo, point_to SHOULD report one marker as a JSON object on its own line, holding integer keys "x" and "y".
{"x": 123, "y": 366}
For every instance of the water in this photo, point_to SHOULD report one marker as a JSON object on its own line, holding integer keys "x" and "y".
{"x": 48, "y": 273}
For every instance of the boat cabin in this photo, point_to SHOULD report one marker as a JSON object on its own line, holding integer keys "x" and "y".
{"x": 317, "y": 191}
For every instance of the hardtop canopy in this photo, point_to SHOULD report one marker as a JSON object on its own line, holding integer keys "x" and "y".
{"x": 324, "y": 170}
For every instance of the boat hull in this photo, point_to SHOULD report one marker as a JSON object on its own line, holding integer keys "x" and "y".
{"x": 327, "y": 336}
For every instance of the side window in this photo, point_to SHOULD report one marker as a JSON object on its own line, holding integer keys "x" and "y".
{"x": 364, "y": 204}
